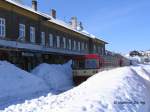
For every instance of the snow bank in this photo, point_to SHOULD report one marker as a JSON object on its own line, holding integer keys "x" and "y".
{"x": 57, "y": 77}
{"x": 135, "y": 60}
{"x": 120, "y": 90}
{"x": 17, "y": 85}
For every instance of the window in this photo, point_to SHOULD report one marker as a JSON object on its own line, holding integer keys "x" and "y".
{"x": 2, "y": 27}
{"x": 51, "y": 40}
{"x": 94, "y": 48}
{"x": 79, "y": 48}
{"x": 103, "y": 51}
{"x": 64, "y": 42}
{"x": 22, "y": 32}
{"x": 86, "y": 46}
{"x": 74, "y": 45}
{"x": 69, "y": 44}
{"x": 42, "y": 38}
{"x": 99, "y": 50}
{"x": 82, "y": 45}
{"x": 32, "y": 34}
{"x": 58, "y": 42}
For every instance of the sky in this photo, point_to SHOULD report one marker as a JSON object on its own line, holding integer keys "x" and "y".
{"x": 124, "y": 24}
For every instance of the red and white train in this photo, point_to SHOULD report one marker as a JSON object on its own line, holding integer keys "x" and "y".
{"x": 90, "y": 64}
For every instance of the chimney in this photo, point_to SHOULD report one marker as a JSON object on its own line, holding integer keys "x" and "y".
{"x": 53, "y": 13}
{"x": 34, "y": 5}
{"x": 74, "y": 23}
{"x": 81, "y": 26}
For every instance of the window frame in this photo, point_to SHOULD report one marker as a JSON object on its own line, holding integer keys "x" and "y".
{"x": 64, "y": 43}
{"x": 74, "y": 45}
{"x": 2, "y": 27}
{"x": 22, "y": 31}
{"x": 42, "y": 38}
{"x": 82, "y": 46}
{"x": 102, "y": 51}
{"x": 69, "y": 44}
{"x": 57, "y": 41}
{"x": 94, "y": 48}
{"x": 79, "y": 46}
{"x": 86, "y": 46}
{"x": 32, "y": 34}
{"x": 51, "y": 40}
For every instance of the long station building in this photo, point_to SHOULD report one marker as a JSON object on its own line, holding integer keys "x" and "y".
{"x": 29, "y": 37}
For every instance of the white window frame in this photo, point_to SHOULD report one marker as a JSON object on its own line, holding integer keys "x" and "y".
{"x": 74, "y": 45}
{"x": 99, "y": 49}
{"x": 94, "y": 48}
{"x": 69, "y": 44}
{"x": 64, "y": 42}
{"x": 102, "y": 51}
{"x": 79, "y": 46}
{"x": 43, "y": 38}
{"x": 2, "y": 27}
{"x": 22, "y": 31}
{"x": 51, "y": 41}
{"x": 86, "y": 45}
{"x": 32, "y": 34}
{"x": 58, "y": 42}
{"x": 82, "y": 45}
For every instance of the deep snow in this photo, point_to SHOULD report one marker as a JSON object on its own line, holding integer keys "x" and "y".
{"x": 57, "y": 77}
{"x": 124, "y": 89}
{"x": 17, "y": 85}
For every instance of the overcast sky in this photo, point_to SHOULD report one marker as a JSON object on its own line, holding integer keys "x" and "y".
{"x": 124, "y": 24}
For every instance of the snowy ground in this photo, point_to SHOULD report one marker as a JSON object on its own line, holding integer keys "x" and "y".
{"x": 124, "y": 89}
{"x": 17, "y": 85}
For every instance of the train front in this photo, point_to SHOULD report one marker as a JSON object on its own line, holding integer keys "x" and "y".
{"x": 86, "y": 66}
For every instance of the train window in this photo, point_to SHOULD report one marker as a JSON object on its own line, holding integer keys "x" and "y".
{"x": 74, "y": 64}
{"x": 87, "y": 62}
{"x": 78, "y": 64}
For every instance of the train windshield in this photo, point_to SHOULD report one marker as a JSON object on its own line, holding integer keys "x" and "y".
{"x": 91, "y": 63}
{"x": 86, "y": 64}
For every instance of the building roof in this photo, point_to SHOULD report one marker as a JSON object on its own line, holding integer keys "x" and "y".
{"x": 27, "y": 8}
{"x": 68, "y": 26}
{"x": 55, "y": 21}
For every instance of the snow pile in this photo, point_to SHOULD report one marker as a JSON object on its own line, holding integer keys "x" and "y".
{"x": 57, "y": 77}
{"x": 134, "y": 60}
{"x": 17, "y": 85}
{"x": 120, "y": 90}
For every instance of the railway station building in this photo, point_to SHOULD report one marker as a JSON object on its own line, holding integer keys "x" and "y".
{"x": 29, "y": 37}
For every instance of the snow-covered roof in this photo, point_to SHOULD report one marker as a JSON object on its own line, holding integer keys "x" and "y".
{"x": 68, "y": 26}
{"x": 27, "y": 8}
{"x": 56, "y": 21}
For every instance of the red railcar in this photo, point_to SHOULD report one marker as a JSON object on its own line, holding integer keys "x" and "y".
{"x": 90, "y": 64}
{"x": 86, "y": 66}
